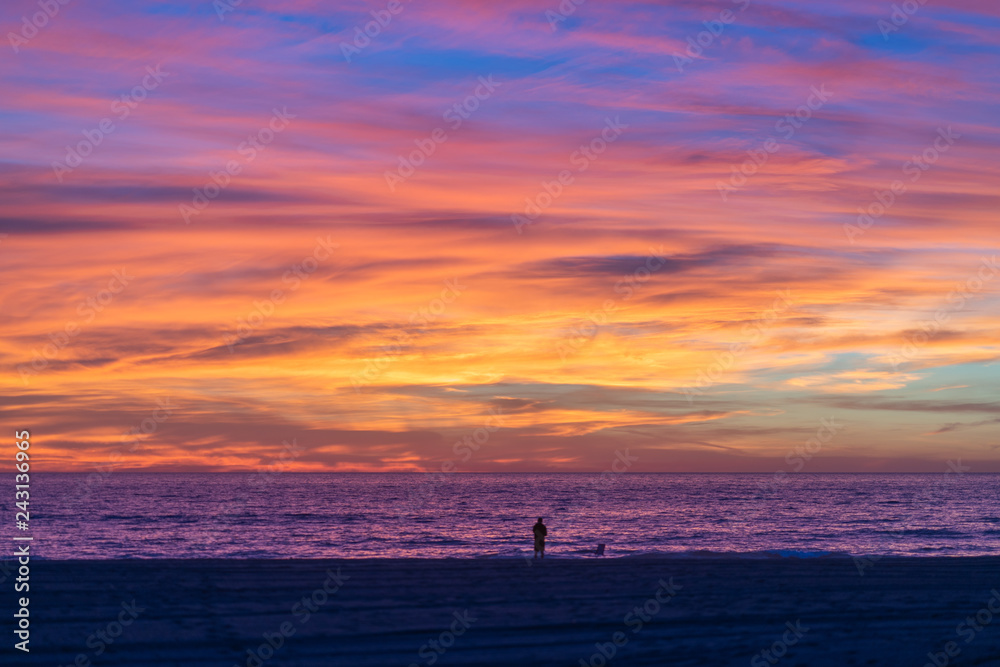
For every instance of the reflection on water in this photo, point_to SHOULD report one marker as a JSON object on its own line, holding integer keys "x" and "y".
{"x": 490, "y": 515}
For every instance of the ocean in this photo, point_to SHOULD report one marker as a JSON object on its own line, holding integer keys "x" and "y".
{"x": 423, "y": 515}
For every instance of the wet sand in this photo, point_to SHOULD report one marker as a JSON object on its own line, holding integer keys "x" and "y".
{"x": 660, "y": 611}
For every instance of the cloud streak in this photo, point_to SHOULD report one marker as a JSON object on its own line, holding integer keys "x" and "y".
{"x": 497, "y": 346}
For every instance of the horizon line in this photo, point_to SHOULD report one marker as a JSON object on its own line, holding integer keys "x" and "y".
{"x": 517, "y": 472}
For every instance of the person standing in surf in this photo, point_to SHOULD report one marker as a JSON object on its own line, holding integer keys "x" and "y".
{"x": 540, "y": 532}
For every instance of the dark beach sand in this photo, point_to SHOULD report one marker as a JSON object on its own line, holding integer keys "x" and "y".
{"x": 726, "y": 610}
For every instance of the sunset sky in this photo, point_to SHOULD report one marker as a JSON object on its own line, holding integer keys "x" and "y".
{"x": 567, "y": 266}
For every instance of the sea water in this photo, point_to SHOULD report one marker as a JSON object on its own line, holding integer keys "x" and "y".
{"x": 353, "y": 515}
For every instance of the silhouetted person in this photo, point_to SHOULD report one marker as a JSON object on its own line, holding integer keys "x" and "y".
{"x": 540, "y": 532}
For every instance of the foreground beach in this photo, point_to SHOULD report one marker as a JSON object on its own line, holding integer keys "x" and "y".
{"x": 640, "y": 610}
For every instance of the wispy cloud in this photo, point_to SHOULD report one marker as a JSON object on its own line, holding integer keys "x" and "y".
{"x": 497, "y": 346}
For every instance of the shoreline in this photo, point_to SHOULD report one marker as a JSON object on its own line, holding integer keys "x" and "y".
{"x": 697, "y": 555}
{"x": 382, "y": 611}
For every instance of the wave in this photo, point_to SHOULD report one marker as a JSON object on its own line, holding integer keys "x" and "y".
{"x": 905, "y": 532}
{"x": 757, "y": 555}
{"x": 696, "y": 553}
